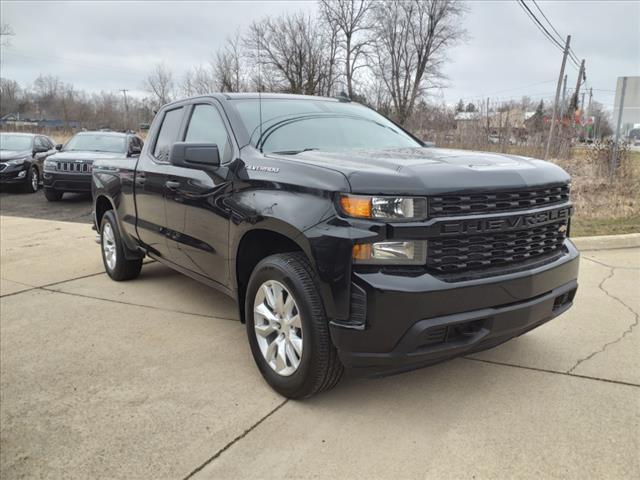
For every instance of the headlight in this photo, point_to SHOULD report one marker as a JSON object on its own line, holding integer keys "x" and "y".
{"x": 17, "y": 161}
{"x": 50, "y": 164}
{"x": 404, "y": 252}
{"x": 393, "y": 209}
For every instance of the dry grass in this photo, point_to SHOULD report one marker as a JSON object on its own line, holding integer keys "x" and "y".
{"x": 604, "y": 203}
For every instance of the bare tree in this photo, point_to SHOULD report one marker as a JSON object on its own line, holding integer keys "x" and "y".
{"x": 200, "y": 80}
{"x": 10, "y": 93}
{"x": 160, "y": 84}
{"x": 412, "y": 37}
{"x": 6, "y": 32}
{"x": 352, "y": 19}
{"x": 289, "y": 53}
{"x": 228, "y": 66}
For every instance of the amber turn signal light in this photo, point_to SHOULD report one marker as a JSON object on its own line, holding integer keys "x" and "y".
{"x": 359, "y": 207}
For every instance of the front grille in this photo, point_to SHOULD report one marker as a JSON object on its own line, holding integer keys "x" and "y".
{"x": 464, "y": 253}
{"x": 74, "y": 167}
{"x": 483, "y": 203}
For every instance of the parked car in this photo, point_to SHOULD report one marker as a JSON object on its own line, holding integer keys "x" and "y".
{"x": 21, "y": 159}
{"x": 344, "y": 241}
{"x": 69, "y": 170}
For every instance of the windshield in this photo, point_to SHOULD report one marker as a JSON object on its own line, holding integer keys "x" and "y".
{"x": 15, "y": 142}
{"x": 96, "y": 143}
{"x": 291, "y": 126}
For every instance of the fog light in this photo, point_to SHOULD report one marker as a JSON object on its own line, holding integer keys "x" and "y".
{"x": 22, "y": 174}
{"x": 401, "y": 252}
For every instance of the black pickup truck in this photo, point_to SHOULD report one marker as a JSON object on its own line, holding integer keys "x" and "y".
{"x": 345, "y": 241}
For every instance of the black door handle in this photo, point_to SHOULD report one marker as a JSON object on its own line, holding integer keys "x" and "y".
{"x": 172, "y": 185}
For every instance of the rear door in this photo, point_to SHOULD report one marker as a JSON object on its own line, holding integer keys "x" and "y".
{"x": 195, "y": 199}
{"x": 150, "y": 179}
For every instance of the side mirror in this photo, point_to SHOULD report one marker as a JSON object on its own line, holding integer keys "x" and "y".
{"x": 203, "y": 156}
{"x": 134, "y": 150}
{"x": 40, "y": 150}
{"x": 59, "y": 146}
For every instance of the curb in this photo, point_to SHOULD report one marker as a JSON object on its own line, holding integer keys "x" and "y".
{"x": 607, "y": 242}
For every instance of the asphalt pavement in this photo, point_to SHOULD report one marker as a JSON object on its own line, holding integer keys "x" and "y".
{"x": 153, "y": 378}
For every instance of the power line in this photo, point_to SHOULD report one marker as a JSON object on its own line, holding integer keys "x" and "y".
{"x": 559, "y": 36}
{"x": 544, "y": 30}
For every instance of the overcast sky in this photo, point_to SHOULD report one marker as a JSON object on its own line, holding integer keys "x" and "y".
{"x": 112, "y": 45}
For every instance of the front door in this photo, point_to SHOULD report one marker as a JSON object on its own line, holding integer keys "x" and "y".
{"x": 195, "y": 209}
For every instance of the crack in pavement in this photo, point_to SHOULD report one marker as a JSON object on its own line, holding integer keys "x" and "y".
{"x": 134, "y": 304}
{"x": 624, "y": 334}
{"x": 234, "y": 441}
{"x": 609, "y": 266}
{"x": 47, "y": 288}
{"x": 44, "y": 287}
{"x": 554, "y": 372}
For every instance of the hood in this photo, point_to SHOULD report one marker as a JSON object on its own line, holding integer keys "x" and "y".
{"x": 6, "y": 155}
{"x": 420, "y": 171}
{"x": 84, "y": 156}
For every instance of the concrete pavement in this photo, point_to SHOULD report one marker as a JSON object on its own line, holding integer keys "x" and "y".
{"x": 153, "y": 378}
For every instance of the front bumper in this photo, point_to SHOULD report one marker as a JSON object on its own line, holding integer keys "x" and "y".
{"x": 12, "y": 175}
{"x": 414, "y": 321}
{"x": 67, "y": 182}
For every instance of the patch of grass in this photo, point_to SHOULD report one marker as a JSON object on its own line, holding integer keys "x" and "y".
{"x": 585, "y": 227}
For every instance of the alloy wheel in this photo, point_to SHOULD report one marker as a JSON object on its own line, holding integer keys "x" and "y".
{"x": 109, "y": 246}
{"x": 278, "y": 327}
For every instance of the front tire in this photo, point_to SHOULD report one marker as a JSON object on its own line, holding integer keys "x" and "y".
{"x": 288, "y": 329}
{"x": 115, "y": 263}
{"x": 52, "y": 195}
{"x": 32, "y": 182}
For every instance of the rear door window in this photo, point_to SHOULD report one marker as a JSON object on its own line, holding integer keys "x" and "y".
{"x": 168, "y": 134}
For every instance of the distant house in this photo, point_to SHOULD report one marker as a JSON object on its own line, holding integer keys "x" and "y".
{"x": 14, "y": 120}
{"x": 17, "y": 121}
{"x": 467, "y": 122}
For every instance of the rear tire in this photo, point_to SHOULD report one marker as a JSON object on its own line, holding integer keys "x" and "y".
{"x": 52, "y": 195}
{"x": 112, "y": 248}
{"x": 314, "y": 366}
{"x": 32, "y": 181}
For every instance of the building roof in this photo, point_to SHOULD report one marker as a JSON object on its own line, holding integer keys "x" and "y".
{"x": 467, "y": 116}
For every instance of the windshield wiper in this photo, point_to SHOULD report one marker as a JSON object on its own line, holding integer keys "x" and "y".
{"x": 294, "y": 152}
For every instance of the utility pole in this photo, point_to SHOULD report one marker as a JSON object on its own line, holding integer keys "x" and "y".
{"x": 488, "y": 126}
{"x": 576, "y": 94}
{"x": 126, "y": 109}
{"x": 614, "y": 151}
{"x": 564, "y": 97}
{"x": 576, "y": 98}
{"x": 589, "y": 113}
{"x": 555, "y": 103}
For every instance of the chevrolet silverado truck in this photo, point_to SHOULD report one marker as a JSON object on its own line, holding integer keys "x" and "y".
{"x": 346, "y": 243}
{"x": 69, "y": 170}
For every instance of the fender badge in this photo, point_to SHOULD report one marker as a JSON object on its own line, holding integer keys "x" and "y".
{"x": 260, "y": 168}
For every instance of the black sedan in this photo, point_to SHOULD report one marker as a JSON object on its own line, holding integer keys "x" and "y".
{"x": 70, "y": 169}
{"x": 21, "y": 159}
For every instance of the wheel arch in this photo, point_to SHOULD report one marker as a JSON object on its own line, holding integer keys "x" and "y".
{"x": 102, "y": 204}
{"x": 272, "y": 236}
